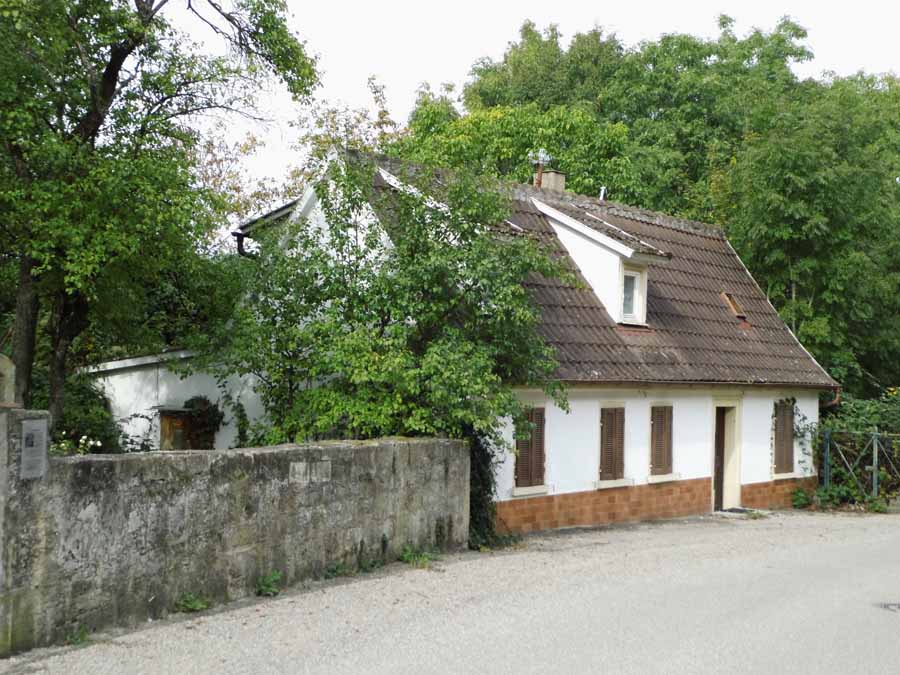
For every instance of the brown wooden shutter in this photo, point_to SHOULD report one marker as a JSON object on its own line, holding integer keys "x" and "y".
{"x": 537, "y": 447}
{"x": 530, "y": 453}
{"x": 784, "y": 437}
{"x": 661, "y": 439}
{"x": 612, "y": 443}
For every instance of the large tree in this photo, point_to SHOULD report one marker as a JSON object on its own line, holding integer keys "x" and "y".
{"x": 394, "y": 313}
{"x": 98, "y": 103}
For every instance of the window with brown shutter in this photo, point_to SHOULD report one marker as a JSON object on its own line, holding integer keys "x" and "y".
{"x": 784, "y": 437}
{"x": 612, "y": 443}
{"x": 530, "y": 452}
{"x": 660, "y": 440}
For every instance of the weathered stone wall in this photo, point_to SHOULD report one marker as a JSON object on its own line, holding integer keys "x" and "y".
{"x": 116, "y": 539}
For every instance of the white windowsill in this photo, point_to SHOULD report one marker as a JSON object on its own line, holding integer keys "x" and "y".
{"x": 530, "y": 491}
{"x": 619, "y": 482}
{"x": 786, "y": 476}
{"x": 663, "y": 477}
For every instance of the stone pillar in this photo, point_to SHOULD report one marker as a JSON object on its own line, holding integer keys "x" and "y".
{"x": 24, "y": 444}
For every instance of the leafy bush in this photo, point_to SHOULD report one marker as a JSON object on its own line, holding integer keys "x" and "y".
{"x": 800, "y": 499}
{"x": 88, "y": 424}
{"x": 866, "y": 414}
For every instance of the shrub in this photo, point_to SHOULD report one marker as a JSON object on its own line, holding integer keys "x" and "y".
{"x": 800, "y": 499}
{"x": 190, "y": 602}
{"x": 267, "y": 585}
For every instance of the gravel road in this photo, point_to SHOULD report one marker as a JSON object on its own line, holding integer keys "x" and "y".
{"x": 792, "y": 592}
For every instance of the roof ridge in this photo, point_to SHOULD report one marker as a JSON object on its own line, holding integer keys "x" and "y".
{"x": 641, "y": 214}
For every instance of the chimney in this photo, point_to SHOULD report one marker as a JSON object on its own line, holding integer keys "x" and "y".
{"x": 550, "y": 179}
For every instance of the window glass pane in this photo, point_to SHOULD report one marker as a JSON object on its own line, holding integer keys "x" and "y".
{"x": 628, "y": 300}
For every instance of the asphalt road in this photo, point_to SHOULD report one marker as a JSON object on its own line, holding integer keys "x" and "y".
{"x": 787, "y": 593}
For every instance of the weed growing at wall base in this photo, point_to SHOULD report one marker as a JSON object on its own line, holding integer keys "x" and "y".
{"x": 190, "y": 602}
{"x": 418, "y": 558}
{"x": 267, "y": 585}
{"x": 77, "y": 637}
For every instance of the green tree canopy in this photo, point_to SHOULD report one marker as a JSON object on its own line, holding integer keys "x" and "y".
{"x": 98, "y": 181}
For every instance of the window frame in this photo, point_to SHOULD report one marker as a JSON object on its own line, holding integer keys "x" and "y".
{"x": 639, "y": 305}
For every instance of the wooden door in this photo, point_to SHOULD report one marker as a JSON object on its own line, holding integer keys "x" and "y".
{"x": 172, "y": 429}
{"x": 719, "y": 468}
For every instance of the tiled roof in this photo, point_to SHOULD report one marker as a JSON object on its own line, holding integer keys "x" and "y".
{"x": 691, "y": 334}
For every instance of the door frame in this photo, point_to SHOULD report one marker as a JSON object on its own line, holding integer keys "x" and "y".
{"x": 731, "y": 479}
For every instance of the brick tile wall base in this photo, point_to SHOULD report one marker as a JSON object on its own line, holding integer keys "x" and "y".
{"x": 640, "y": 502}
{"x": 775, "y": 494}
{"x": 600, "y": 507}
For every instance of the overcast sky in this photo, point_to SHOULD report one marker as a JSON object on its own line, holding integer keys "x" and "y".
{"x": 407, "y": 43}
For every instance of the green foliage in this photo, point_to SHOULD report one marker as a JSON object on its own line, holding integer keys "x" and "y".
{"x": 866, "y": 415}
{"x": 98, "y": 169}
{"x": 78, "y": 637}
{"x": 421, "y": 559}
{"x": 834, "y": 495}
{"x": 483, "y": 533}
{"x": 88, "y": 424}
{"x": 206, "y": 420}
{"x": 497, "y": 142}
{"x": 190, "y": 602}
{"x": 801, "y": 499}
{"x": 877, "y": 505}
{"x": 339, "y": 569}
{"x": 268, "y": 584}
{"x": 415, "y": 324}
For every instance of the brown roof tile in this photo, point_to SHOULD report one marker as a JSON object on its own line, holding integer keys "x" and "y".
{"x": 691, "y": 336}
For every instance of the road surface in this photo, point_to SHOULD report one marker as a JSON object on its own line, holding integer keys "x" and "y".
{"x": 792, "y": 592}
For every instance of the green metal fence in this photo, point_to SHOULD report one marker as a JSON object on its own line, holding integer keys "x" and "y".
{"x": 865, "y": 465}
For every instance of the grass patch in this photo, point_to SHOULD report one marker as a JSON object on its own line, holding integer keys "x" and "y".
{"x": 191, "y": 602}
{"x": 339, "y": 569}
{"x": 421, "y": 559}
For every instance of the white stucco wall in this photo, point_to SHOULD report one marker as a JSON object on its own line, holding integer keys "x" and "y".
{"x": 601, "y": 268}
{"x": 572, "y": 440}
{"x": 142, "y": 386}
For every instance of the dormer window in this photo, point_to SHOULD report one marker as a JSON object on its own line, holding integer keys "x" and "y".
{"x": 634, "y": 294}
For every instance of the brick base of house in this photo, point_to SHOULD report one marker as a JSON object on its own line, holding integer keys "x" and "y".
{"x": 636, "y": 503}
{"x": 601, "y": 507}
{"x": 775, "y": 494}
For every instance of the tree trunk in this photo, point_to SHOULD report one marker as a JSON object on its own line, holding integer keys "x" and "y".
{"x": 25, "y": 330}
{"x": 69, "y": 320}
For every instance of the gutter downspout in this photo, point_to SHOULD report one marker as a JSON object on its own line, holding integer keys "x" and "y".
{"x": 239, "y": 237}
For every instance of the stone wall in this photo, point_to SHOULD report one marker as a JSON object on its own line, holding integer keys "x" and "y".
{"x": 117, "y": 539}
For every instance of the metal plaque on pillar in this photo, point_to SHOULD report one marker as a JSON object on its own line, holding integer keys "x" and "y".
{"x": 34, "y": 449}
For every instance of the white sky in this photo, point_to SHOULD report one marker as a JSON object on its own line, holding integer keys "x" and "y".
{"x": 407, "y": 43}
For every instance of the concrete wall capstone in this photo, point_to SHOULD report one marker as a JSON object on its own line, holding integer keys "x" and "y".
{"x": 106, "y": 540}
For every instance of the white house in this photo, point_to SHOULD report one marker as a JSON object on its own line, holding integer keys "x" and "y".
{"x": 685, "y": 387}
